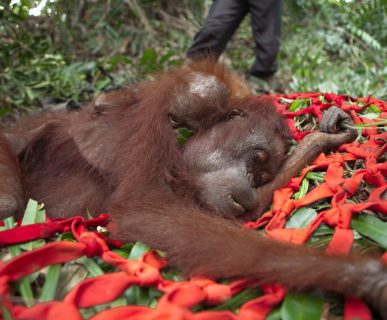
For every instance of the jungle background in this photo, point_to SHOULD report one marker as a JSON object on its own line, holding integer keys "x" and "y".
{"x": 57, "y": 51}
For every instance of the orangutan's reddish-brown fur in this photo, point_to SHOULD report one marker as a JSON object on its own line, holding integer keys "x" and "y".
{"x": 119, "y": 155}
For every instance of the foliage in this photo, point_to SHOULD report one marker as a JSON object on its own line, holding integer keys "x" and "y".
{"x": 338, "y": 53}
{"x": 74, "y": 50}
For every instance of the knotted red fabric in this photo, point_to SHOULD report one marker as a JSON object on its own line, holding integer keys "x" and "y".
{"x": 179, "y": 297}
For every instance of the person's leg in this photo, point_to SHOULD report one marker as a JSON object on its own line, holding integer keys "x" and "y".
{"x": 266, "y": 25}
{"x": 222, "y": 20}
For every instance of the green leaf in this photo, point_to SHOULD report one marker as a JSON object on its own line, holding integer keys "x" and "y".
{"x": 173, "y": 275}
{"x": 239, "y": 299}
{"x": 91, "y": 266}
{"x": 127, "y": 247}
{"x": 301, "y": 306}
{"x": 66, "y": 236}
{"x": 27, "y": 3}
{"x": 182, "y": 135}
{"x": 301, "y": 218}
{"x": 303, "y": 189}
{"x": 89, "y": 215}
{"x": 372, "y": 228}
{"x": 370, "y": 116}
{"x": 6, "y": 313}
{"x": 118, "y": 302}
{"x": 323, "y": 230}
{"x": 88, "y": 313}
{"x": 9, "y": 223}
{"x": 372, "y": 112}
{"x": 50, "y": 283}
{"x": 100, "y": 85}
{"x": 23, "y": 284}
{"x": 42, "y": 84}
{"x": 166, "y": 57}
{"x": 275, "y": 314}
{"x": 34, "y": 213}
{"x": 155, "y": 293}
{"x": 300, "y": 104}
{"x": 149, "y": 57}
{"x": 30, "y": 94}
{"x": 138, "y": 296}
{"x": 322, "y": 99}
{"x": 26, "y": 292}
{"x": 318, "y": 176}
{"x": 142, "y": 296}
{"x": 119, "y": 59}
{"x": 122, "y": 253}
{"x": 371, "y": 124}
{"x": 138, "y": 251}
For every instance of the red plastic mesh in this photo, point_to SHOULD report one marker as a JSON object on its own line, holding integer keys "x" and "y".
{"x": 180, "y": 297}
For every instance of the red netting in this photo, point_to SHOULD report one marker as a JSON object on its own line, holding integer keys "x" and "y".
{"x": 181, "y": 296}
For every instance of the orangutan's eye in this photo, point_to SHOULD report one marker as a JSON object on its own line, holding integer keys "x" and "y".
{"x": 236, "y": 113}
{"x": 173, "y": 120}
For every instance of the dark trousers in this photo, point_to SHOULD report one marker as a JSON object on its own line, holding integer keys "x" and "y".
{"x": 224, "y": 18}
